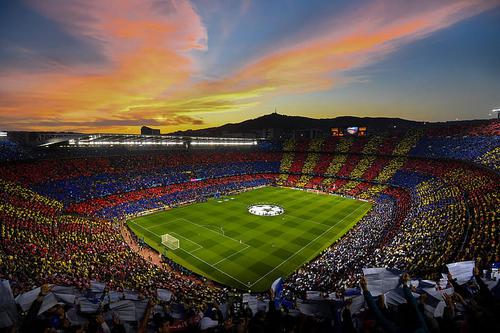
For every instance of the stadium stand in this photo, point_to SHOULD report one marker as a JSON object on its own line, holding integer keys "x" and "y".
{"x": 435, "y": 194}
{"x": 12, "y": 151}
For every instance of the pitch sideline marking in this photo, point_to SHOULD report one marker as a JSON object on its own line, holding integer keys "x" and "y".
{"x": 217, "y": 226}
{"x": 196, "y": 224}
{"x": 294, "y": 254}
{"x": 183, "y": 219}
{"x": 191, "y": 254}
{"x": 218, "y": 262}
{"x": 232, "y": 277}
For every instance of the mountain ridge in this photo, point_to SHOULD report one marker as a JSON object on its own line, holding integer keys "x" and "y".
{"x": 293, "y": 123}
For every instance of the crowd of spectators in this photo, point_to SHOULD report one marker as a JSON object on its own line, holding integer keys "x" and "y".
{"x": 489, "y": 127}
{"x": 475, "y": 142}
{"x": 432, "y": 231}
{"x": 490, "y": 159}
{"x": 121, "y": 205}
{"x": 76, "y": 180}
{"x": 48, "y": 170}
{"x": 12, "y": 151}
{"x": 298, "y": 162}
{"x": 445, "y": 210}
{"x": 339, "y": 266}
{"x": 102, "y": 185}
{"x": 39, "y": 245}
{"x": 308, "y": 168}
{"x": 411, "y": 305}
{"x": 426, "y": 213}
{"x": 457, "y": 303}
{"x": 471, "y": 148}
{"x": 285, "y": 165}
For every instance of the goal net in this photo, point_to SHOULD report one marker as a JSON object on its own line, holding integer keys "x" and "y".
{"x": 170, "y": 241}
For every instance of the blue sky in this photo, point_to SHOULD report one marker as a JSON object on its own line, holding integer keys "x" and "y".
{"x": 115, "y": 65}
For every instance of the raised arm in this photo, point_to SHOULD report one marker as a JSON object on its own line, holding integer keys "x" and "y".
{"x": 387, "y": 325}
{"x": 413, "y": 302}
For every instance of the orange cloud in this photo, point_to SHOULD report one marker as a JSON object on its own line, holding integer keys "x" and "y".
{"x": 146, "y": 44}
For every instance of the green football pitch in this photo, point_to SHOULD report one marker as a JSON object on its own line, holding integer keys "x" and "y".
{"x": 222, "y": 241}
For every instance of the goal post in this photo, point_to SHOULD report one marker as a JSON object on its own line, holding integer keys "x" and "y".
{"x": 170, "y": 241}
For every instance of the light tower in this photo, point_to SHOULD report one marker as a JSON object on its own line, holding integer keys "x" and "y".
{"x": 497, "y": 111}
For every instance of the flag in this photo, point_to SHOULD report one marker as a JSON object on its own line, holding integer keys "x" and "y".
{"x": 277, "y": 290}
{"x": 277, "y": 287}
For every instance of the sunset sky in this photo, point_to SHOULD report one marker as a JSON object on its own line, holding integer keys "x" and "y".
{"x": 113, "y": 65}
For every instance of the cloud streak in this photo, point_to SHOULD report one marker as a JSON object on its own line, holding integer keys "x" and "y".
{"x": 106, "y": 123}
{"x": 146, "y": 44}
{"x": 148, "y": 76}
{"x": 358, "y": 39}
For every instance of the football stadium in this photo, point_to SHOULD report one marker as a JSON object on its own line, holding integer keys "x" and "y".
{"x": 221, "y": 214}
{"x": 224, "y": 223}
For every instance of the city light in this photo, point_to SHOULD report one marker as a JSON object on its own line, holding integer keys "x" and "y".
{"x": 224, "y": 143}
{"x": 124, "y": 143}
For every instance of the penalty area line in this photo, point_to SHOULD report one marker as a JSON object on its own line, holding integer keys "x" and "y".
{"x": 173, "y": 233}
{"x": 202, "y": 260}
{"x": 201, "y": 226}
{"x": 223, "y": 259}
{"x": 211, "y": 265}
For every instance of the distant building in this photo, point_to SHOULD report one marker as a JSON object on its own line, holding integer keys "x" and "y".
{"x": 40, "y": 138}
{"x": 227, "y": 134}
{"x": 270, "y": 133}
{"x": 149, "y": 131}
{"x": 310, "y": 133}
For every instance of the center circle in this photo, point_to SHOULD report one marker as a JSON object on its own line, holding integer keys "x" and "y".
{"x": 266, "y": 210}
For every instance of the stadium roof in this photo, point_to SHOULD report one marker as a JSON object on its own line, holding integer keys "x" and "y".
{"x": 109, "y": 140}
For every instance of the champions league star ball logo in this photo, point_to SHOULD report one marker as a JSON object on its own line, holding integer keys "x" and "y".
{"x": 266, "y": 210}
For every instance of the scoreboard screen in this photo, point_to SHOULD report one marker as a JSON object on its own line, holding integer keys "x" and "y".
{"x": 352, "y": 131}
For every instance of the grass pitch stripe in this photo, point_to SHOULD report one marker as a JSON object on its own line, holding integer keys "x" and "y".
{"x": 293, "y": 255}
{"x": 191, "y": 254}
{"x": 241, "y": 249}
